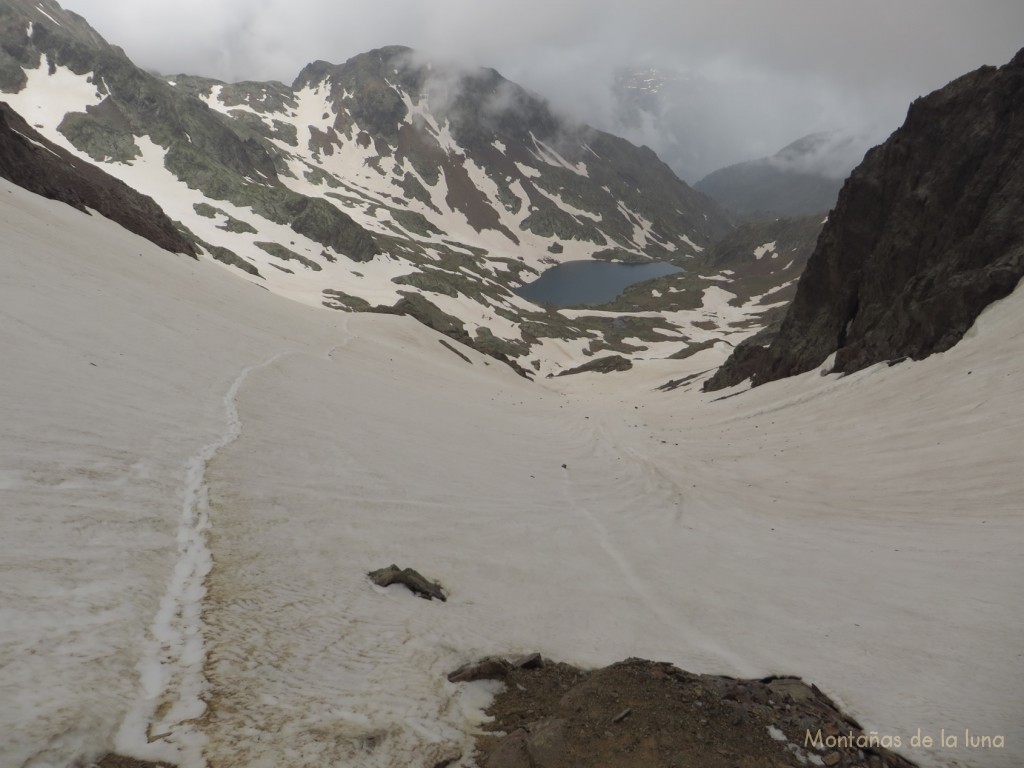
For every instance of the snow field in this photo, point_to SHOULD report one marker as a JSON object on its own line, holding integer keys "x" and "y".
{"x": 863, "y": 532}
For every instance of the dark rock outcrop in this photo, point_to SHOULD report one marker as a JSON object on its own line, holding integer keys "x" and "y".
{"x": 32, "y": 162}
{"x": 417, "y": 583}
{"x": 927, "y": 233}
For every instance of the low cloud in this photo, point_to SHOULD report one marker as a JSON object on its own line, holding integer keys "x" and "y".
{"x": 784, "y": 69}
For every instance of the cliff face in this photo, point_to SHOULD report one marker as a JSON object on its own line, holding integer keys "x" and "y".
{"x": 927, "y": 232}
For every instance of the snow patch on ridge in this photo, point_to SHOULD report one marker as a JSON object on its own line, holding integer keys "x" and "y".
{"x": 762, "y": 250}
{"x": 548, "y": 155}
{"x": 692, "y": 244}
{"x": 46, "y": 99}
{"x": 40, "y": 9}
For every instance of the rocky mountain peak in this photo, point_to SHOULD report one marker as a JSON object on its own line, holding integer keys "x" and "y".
{"x": 30, "y": 28}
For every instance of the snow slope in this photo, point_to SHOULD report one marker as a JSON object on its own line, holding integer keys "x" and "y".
{"x": 161, "y": 418}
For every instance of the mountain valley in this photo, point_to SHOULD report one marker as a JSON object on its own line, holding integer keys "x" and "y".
{"x": 261, "y": 340}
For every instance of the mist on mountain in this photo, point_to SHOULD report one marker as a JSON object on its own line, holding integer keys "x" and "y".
{"x": 764, "y": 74}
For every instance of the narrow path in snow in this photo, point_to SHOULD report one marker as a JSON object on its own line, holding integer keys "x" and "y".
{"x": 164, "y": 725}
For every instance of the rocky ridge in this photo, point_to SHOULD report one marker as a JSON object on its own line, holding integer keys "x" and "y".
{"x": 925, "y": 235}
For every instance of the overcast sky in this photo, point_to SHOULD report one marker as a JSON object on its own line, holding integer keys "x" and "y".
{"x": 802, "y": 65}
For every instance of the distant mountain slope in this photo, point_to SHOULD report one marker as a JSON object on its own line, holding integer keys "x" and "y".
{"x": 927, "y": 233}
{"x": 32, "y": 162}
{"x": 391, "y": 182}
{"x": 87, "y": 96}
{"x": 758, "y": 261}
{"x": 802, "y": 178}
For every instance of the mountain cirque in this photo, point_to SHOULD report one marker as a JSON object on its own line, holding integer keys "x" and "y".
{"x": 431, "y": 192}
{"x": 392, "y": 182}
{"x": 926, "y": 234}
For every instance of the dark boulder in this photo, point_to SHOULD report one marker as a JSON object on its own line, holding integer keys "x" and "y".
{"x": 414, "y": 580}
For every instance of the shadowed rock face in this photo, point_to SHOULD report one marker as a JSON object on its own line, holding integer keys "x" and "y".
{"x": 927, "y": 233}
{"x": 30, "y": 161}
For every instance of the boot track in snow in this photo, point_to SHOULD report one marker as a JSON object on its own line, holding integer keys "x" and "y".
{"x": 164, "y": 724}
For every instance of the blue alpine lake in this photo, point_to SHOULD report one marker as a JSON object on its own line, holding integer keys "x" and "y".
{"x": 590, "y": 282}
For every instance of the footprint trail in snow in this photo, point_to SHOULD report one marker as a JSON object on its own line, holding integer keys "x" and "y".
{"x": 164, "y": 725}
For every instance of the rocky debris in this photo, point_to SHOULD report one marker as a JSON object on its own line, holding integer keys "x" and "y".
{"x": 601, "y": 365}
{"x": 926, "y": 234}
{"x": 414, "y": 580}
{"x": 30, "y": 161}
{"x": 672, "y": 384}
{"x": 527, "y": 661}
{"x": 644, "y": 714}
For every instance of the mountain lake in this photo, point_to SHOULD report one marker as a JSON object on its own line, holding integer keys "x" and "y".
{"x": 590, "y": 282}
